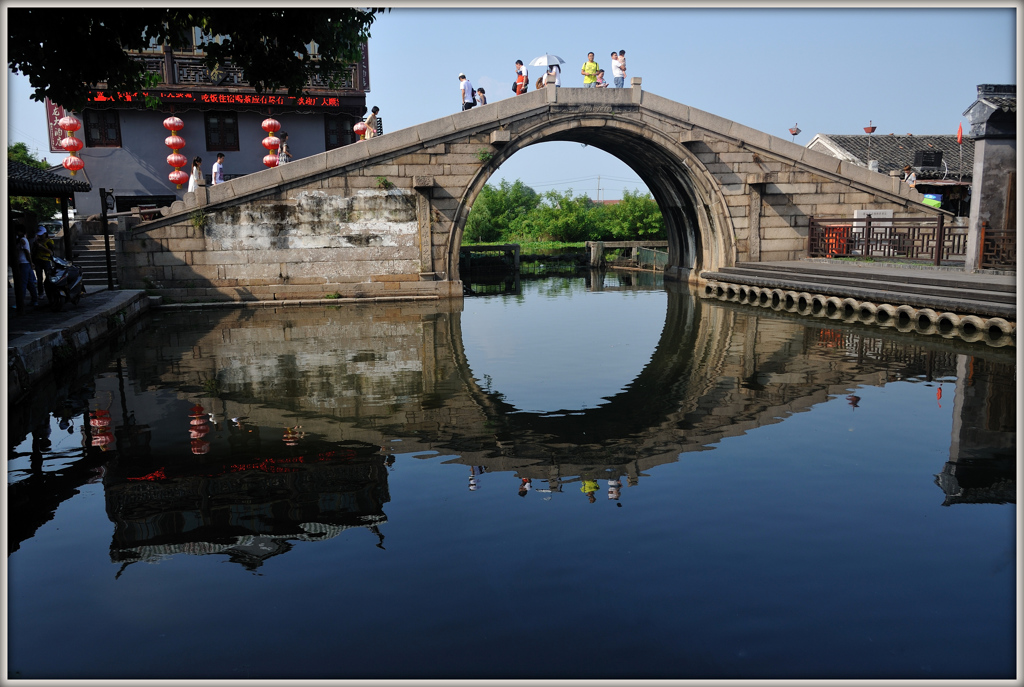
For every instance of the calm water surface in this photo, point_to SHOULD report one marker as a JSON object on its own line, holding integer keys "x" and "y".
{"x": 589, "y": 478}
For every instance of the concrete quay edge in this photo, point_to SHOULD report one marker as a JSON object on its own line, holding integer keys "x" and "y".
{"x": 34, "y": 354}
{"x": 895, "y": 298}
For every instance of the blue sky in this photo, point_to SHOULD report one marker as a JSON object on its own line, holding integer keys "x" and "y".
{"x": 828, "y": 70}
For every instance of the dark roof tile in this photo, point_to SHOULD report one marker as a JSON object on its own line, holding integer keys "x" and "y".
{"x": 25, "y": 180}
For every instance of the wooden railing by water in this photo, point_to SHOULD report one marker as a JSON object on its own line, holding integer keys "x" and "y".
{"x": 924, "y": 239}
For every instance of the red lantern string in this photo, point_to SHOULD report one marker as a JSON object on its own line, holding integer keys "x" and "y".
{"x": 271, "y": 142}
{"x": 72, "y": 163}
{"x": 176, "y": 143}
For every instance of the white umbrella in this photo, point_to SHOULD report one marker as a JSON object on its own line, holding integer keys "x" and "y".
{"x": 546, "y": 60}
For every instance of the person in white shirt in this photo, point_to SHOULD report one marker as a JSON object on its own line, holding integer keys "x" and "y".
{"x": 618, "y": 76}
{"x": 521, "y": 70}
{"x": 218, "y": 170}
{"x": 556, "y": 71}
{"x": 468, "y": 97}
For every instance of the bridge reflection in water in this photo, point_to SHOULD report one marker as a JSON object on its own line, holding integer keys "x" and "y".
{"x": 261, "y": 427}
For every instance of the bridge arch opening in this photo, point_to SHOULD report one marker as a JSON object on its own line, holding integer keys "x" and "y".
{"x": 690, "y": 199}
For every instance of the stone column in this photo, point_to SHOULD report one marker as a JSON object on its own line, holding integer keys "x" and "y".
{"x": 754, "y": 217}
{"x": 423, "y": 186}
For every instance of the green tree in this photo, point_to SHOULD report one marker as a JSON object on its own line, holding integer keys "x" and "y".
{"x": 67, "y": 60}
{"x": 499, "y": 213}
{"x": 41, "y": 208}
{"x": 635, "y": 217}
{"x": 568, "y": 218}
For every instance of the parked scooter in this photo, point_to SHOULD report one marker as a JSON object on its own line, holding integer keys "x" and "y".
{"x": 63, "y": 283}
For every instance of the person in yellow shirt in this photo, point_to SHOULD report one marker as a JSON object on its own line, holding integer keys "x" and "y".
{"x": 589, "y": 71}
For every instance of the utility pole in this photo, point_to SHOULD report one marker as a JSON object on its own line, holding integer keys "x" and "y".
{"x": 598, "y": 188}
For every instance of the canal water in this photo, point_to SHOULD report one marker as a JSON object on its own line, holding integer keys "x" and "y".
{"x": 580, "y": 476}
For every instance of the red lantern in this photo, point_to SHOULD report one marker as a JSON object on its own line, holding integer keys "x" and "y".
{"x": 69, "y": 123}
{"x": 200, "y": 446}
{"x": 72, "y": 163}
{"x": 71, "y": 144}
{"x": 176, "y": 143}
{"x": 271, "y": 142}
{"x": 174, "y": 124}
{"x": 360, "y": 129}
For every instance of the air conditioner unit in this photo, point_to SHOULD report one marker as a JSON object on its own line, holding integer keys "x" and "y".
{"x": 925, "y": 159}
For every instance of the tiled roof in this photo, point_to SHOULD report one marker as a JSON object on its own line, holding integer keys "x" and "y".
{"x": 1000, "y": 102}
{"x": 25, "y": 180}
{"x": 894, "y": 152}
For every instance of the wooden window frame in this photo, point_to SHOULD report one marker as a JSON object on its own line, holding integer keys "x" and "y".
{"x": 223, "y": 146}
{"x": 101, "y": 119}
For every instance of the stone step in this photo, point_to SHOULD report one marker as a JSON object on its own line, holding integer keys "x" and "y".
{"x": 946, "y": 289}
{"x": 953, "y": 300}
{"x": 950, "y": 279}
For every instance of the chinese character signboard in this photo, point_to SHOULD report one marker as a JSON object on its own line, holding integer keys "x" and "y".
{"x": 54, "y": 113}
{"x": 194, "y": 97}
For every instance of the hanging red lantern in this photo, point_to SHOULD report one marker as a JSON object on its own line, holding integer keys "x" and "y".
{"x": 72, "y": 163}
{"x": 71, "y": 144}
{"x": 271, "y": 142}
{"x": 176, "y": 143}
{"x": 200, "y": 446}
{"x": 177, "y": 177}
{"x": 360, "y": 129}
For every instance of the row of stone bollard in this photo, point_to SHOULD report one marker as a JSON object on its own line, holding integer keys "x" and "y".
{"x": 994, "y": 331}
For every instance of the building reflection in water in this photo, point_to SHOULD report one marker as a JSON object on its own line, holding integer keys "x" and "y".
{"x": 261, "y": 428}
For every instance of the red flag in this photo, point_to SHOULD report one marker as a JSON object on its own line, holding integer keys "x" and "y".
{"x": 960, "y": 134}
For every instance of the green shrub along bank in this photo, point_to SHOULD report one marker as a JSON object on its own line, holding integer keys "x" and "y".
{"x": 515, "y": 213}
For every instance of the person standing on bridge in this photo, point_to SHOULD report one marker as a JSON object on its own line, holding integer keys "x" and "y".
{"x": 618, "y": 74}
{"x": 371, "y": 122}
{"x": 218, "y": 170}
{"x": 197, "y": 174}
{"x": 468, "y": 95}
{"x": 589, "y": 71}
{"x": 522, "y": 78}
{"x": 910, "y": 178}
{"x": 481, "y": 96}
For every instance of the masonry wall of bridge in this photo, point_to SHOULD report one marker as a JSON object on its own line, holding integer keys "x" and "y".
{"x": 384, "y": 217}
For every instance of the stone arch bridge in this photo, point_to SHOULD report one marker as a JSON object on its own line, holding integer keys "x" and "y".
{"x": 384, "y": 217}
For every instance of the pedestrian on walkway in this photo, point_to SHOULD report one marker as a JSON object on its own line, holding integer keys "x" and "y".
{"x": 481, "y": 96}
{"x": 600, "y": 83}
{"x": 218, "y": 170}
{"x": 468, "y": 95}
{"x": 371, "y": 122}
{"x": 284, "y": 153}
{"x": 589, "y": 71}
{"x": 24, "y": 278}
{"x": 197, "y": 174}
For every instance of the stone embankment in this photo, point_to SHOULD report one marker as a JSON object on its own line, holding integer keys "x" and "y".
{"x": 977, "y": 307}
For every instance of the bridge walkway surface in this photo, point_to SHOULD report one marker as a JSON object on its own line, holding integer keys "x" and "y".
{"x": 940, "y": 288}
